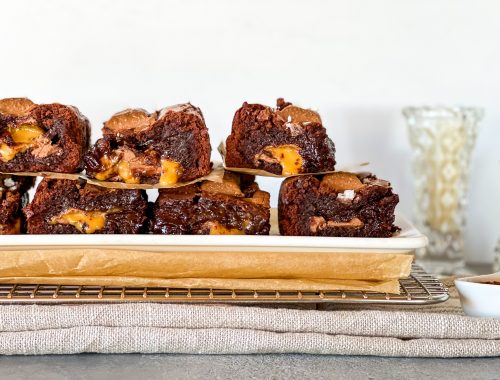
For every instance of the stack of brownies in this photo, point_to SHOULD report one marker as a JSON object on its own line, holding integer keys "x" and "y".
{"x": 170, "y": 149}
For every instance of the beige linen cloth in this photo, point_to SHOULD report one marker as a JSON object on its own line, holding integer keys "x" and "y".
{"x": 432, "y": 331}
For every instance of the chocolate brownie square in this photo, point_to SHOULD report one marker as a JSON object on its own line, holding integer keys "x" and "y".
{"x": 286, "y": 140}
{"x": 337, "y": 204}
{"x": 165, "y": 147}
{"x": 63, "y": 206}
{"x": 13, "y": 197}
{"x": 235, "y": 206}
{"x": 41, "y": 137}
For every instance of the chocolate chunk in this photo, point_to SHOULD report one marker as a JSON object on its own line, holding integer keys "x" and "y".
{"x": 16, "y": 106}
{"x": 130, "y": 120}
{"x": 230, "y": 185}
{"x": 340, "y": 182}
{"x": 297, "y": 115}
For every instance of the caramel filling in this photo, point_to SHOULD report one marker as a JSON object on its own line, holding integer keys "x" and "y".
{"x": 7, "y": 153}
{"x": 287, "y": 156}
{"x": 125, "y": 172}
{"x": 11, "y": 229}
{"x": 84, "y": 221}
{"x": 24, "y": 137}
{"x": 25, "y": 133}
{"x": 218, "y": 229}
{"x": 125, "y": 164}
{"x": 319, "y": 223}
{"x": 120, "y": 168}
{"x": 17, "y": 226}
{"x": 109, "y": 170}
{"x": 170, "y": 172}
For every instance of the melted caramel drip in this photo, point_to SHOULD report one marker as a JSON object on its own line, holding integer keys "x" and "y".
{"x": 170, "y": 172}
{"x": 7, "y": 153}
{"x": 109, "y": 170}
{"x": 120, "y": 168}
{"x": 11, "y": 229}
{"x": 84, "y": 221}
{"x": 218, "y": 229}
{"x": 288, "y": 157}
{"x": 125, "y": 172}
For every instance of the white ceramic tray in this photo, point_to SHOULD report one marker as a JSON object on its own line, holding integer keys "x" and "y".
{"x": 408, "y": 239}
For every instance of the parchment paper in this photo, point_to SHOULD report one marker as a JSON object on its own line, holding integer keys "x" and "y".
{"x": 215, "y": 175}
{"x": 199, "y": 264}
{"x": 72, "y": 176}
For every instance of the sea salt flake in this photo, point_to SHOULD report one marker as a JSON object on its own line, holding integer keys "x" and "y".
{"x": 347, "y": 194}
{"x": 9, "y": 182}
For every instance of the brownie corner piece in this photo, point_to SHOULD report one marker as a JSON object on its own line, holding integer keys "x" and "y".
{"x": 338, "y": 204}
{"x": 13, "y": 197}
{"x": 41, "y": 137}
{"x": 235, "y": 206}
{"x": 164, "y": 147}
{"x": 63, "y": 206}
{"x": 285, "y": 140}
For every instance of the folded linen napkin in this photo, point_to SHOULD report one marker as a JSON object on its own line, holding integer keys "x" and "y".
{"x": 434, "y": 331}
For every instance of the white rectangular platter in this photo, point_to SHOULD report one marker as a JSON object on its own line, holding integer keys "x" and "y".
{"x": 408, "y": 239}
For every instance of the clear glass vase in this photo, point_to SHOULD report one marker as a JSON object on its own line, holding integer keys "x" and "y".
{"x": 496, "y": 260}
{"x": 442, "y": 140}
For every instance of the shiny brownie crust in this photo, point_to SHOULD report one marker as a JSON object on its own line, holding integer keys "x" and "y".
{"x": 192, "y": 210}
{"x": 65, "y": 138}
{"x": 53, "y": 197}
{"x": 256, "y": 126}
{"x": 175, "y": 133}
{"x": 308, "y": 208}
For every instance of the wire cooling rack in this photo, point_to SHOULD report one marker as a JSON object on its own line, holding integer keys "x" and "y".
{"x": 418, "y": 289}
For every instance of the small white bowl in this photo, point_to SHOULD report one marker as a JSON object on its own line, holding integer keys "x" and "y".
{"x": 479, "y": 299}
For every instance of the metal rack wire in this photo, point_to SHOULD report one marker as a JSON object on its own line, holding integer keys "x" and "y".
{"x": 418, "y": 289}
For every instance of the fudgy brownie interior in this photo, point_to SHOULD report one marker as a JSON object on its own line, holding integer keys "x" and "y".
{"x": 165, "y": 147}
{"x": 13, "y": 197}
{"x": 287, "y": 140}
{"x": 235, "y": 206}
{"x": 62, "y": 206}
{"x": 41, "y": 137}
{"x": 337, "y": 204}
